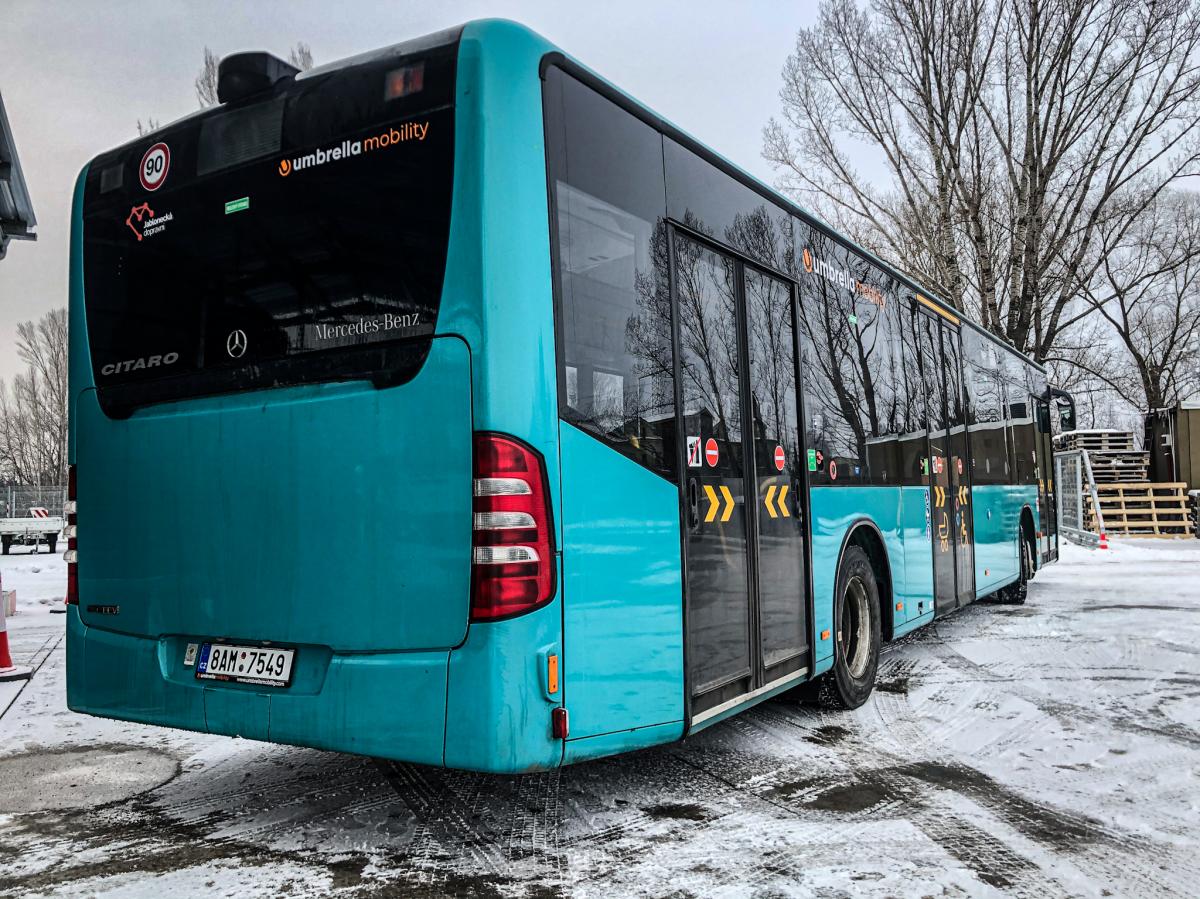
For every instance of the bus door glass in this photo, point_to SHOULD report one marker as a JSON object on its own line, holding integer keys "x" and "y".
{"x": 959, "y": 465}
{"x": 717, "y": 569}
{"x": 1047, "y": 498}
{"x": 778, "y": 472}
{"x": 746, "y": 565}
{"x": 937, "y": 465}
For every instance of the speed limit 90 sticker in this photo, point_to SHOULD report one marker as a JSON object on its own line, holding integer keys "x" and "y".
{"x": 155, "y": 164}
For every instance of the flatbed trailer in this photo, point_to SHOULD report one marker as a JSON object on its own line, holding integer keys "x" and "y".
{"x": 28, "y": 531}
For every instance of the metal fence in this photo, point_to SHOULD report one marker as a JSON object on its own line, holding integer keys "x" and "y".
{"x": 1073, "y": 474}
{"x": 19, "y": 500}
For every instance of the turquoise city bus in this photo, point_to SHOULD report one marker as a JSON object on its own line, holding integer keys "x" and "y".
{"x": 447, "y": 405}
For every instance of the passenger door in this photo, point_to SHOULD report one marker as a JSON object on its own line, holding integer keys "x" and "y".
{"x": 745, "y": 563}
{"x": 937, "y": 464}
{"x": 959, "y": 464}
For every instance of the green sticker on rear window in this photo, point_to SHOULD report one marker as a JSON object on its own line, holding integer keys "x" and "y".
{"x": 812, "y": 460}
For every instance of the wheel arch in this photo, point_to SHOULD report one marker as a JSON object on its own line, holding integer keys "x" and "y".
{"x": 865, "y": 534}
{"x": 1028, "y": 532}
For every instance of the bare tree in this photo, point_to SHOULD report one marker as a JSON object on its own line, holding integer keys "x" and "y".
{"x": 152, "y": 124}
{"x": 33, "y": 409}
{"x": 1011, "y": 132}
{"x": 301, "y": 56}
{"x": 1148, "y": 289}
{"x": 206, "y": 81}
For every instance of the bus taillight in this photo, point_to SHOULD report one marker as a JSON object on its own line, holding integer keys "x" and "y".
{"x": 512, "y": 549}
{"x": 71, "y": 556}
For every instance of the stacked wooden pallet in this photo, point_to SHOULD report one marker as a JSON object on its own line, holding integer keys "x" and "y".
{"x": 1143, "y": 510}
{"x": 1110, "y": 467}
{"x": 1095, "y": 441}
{"x": 1113, "y": 457}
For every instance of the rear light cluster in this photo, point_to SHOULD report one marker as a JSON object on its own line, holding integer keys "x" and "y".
{"x": 512, "y": 567}
{"x": 71, "y": 556}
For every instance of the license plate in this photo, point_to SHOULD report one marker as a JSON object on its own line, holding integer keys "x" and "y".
{"x": 245, "y": 664}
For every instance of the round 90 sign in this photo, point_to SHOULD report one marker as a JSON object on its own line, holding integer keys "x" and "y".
{"x": 153, "y": 170}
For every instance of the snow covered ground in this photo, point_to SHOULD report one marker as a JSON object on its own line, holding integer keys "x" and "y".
{"x": 1044, "y": 750}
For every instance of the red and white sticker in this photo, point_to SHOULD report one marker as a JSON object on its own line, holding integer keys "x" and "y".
{"x": 832, "y": 470}
{"x": 155, "y": 165}
{"x": 780, "y": 458}
{"x": 693, "y": 452}
{"x": 712, "y": 455}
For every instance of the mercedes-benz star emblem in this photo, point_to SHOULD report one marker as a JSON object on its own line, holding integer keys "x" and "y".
{"x": 235, "y": 344}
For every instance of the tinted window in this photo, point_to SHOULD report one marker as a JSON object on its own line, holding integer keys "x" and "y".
{"x": 912, "y": 448}
{"x": 851, "y": 369}
{"x": 988, "y": 445}
{"x": 300, "y": 238}
{"x": 616, "y": 377}
{"x": 707, "y": 199}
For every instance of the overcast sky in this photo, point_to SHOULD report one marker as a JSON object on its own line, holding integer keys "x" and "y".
{"x": 75, "y": 82}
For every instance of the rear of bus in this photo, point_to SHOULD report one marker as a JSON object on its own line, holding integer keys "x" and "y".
{"x": 312, "y": 500}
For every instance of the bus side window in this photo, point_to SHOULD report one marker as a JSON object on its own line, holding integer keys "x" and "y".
{"x": 615, "y": 356}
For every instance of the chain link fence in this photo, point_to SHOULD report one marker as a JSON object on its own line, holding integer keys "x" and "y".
{"x": 19, "y": 500}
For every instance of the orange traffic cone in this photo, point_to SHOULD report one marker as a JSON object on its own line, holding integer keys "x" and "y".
{"x": 9, "y": 671}
{"x": 1103, "y": 540}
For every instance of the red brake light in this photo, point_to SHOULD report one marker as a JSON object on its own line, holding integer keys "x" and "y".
{"x": 512, "y": 568}
{"x": 71, "y": 555}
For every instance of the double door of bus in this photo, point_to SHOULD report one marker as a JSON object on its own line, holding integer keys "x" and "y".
{"x": 947, "y": 463}
{"x": 744, "y": 499}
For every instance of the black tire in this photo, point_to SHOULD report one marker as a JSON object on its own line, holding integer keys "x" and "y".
{"x": 5, "y": 544}
{"x": 858, "y": 633}
{"x": 52, "y": 542}
{"x": 1016, "y": 593}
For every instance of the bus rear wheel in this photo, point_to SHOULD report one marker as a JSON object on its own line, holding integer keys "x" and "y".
{"x": 1016, "y": 593}
{"x": 858, "y": 629}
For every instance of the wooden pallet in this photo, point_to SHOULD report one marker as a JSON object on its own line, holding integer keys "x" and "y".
{"x": 1095, "y": 441}
{"x": 1143, "y": 509}
{"x": 1112, "y": 467}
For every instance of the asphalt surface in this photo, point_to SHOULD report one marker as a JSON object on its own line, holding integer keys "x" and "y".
{"x": 1046, "y": 750}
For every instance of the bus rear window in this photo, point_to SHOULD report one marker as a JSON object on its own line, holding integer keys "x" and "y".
{"x": 302, "y": 237}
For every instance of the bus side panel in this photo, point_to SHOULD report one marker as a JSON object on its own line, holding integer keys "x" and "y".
{"x": 623, "y": 602}
{"x": 498, "y": 705}
{"x": 916, "y": 588}
{"x": 996, "y": 518}
{"x": 834, "y": 511}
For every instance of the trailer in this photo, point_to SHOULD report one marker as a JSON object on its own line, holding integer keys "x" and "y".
{"x": 40, "y": 527}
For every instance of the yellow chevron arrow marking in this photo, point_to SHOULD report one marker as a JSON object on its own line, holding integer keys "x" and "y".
{"x": 939, "y": 496}
{"x": 770, "y": 496}
{"x": 728, "y": 503}
{"x": 713, "y": 503}
{"x": 783, "y": 509}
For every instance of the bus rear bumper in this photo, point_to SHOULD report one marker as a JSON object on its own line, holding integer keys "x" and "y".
{"x": 388, "y": 705}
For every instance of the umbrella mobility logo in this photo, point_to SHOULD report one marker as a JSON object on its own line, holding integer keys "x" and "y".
{"x": 349, "y": 148}
{"x": 839, "y": 277}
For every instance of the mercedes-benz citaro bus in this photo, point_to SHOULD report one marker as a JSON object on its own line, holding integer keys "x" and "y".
{"x": 447, "y": 405}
